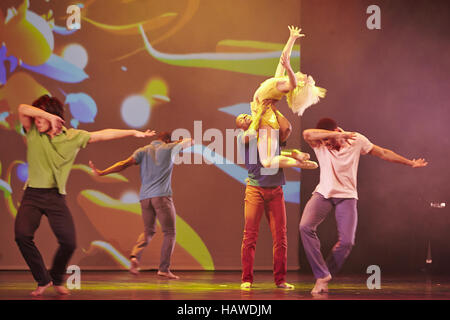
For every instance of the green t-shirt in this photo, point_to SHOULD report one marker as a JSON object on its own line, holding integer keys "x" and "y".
{"x": 50, "y": 160}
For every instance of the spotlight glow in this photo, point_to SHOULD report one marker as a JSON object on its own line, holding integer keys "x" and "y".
{"x": 130, "y": 197}
{"x": 135, "y": 111}
{"x": 76, "y": 54}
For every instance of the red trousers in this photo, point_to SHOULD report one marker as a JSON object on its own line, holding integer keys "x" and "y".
{"x": 271, "y": 201}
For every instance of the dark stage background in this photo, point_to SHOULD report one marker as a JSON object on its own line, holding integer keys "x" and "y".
{"x": 390, "y": 85}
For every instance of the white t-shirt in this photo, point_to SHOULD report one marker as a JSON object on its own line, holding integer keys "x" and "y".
{"x": 339, "y": 169}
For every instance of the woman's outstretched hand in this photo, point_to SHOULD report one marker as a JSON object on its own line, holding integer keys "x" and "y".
{"x": 295, "y": 32}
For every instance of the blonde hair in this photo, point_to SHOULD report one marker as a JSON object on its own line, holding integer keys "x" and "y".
{"x": 304, "y": 95}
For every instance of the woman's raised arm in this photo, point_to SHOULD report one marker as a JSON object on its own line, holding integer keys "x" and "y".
{"x": 294, "y": 35}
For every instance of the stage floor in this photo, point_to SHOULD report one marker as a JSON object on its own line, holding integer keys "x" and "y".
{"x": 225, "y": 285}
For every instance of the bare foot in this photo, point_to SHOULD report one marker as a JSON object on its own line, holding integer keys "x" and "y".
{"x": 246, "y": 285}
{"x": 40, "y": 290}
{"x": 285, "y": 285}
{"x": 300, "y": 156}
{"x": 308, "y": 165}
{"x": 61, "y": 290}
{"x": 134, "y": 269}
{"x": 321, "y": 285}
{"x": 168, "y": 274}
{"x": 320, "y": 296}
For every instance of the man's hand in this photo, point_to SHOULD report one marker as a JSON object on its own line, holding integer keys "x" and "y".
{"x": 95, "y": 171}
{"x": 56, "y": 124}
{"x": 418, "y": 163}
{"x": 146, "y": 134}
{"x": 349, "y": 137}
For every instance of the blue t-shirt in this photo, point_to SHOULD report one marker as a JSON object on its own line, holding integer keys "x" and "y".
{"x": 156, "y": 165}
{"x": 256, "y": 177}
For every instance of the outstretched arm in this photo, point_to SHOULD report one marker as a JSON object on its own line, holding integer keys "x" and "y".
{"x": 27, "y": 114}
{"x": 294, "y": 35}
{"x": 184, "y": 143}
{"x": 180, "y": 145}
{"x": 391, "y": 156}
{"x": 111, "y": 134}
{"x": 116, "y": 167}
{"x": 319, "y": 134}
{"x": 286, "y": 86}
{"x": 314, "y": 136}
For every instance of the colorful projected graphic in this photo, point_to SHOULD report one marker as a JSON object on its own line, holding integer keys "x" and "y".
{"x": 259, "y": 63}
{"x": 157, "y": 65}
{"x": 76, "y": 54}
{"x": 136, "y": 111}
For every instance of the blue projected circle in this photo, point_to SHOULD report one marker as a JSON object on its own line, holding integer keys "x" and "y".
{"x": 22, "y": 172}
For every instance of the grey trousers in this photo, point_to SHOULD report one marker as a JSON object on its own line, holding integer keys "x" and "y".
{"x": 314, "y": 213}
{"x": 163, "y": 209}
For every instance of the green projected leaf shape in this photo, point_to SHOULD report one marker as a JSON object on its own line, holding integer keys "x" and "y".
{"x": 255, "y": 63}
{"x": 128, "y": 29}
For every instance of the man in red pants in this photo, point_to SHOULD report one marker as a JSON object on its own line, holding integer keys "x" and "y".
{"x": 263, "y": 193}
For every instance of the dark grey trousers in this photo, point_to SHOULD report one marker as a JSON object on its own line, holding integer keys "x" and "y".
{"x": 163, "y": 209}
{"x": 35, "y": 203}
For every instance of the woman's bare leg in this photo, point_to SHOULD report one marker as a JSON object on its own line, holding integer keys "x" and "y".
{"x": 267, "y": 147}
{"x": 296, "y": 154}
